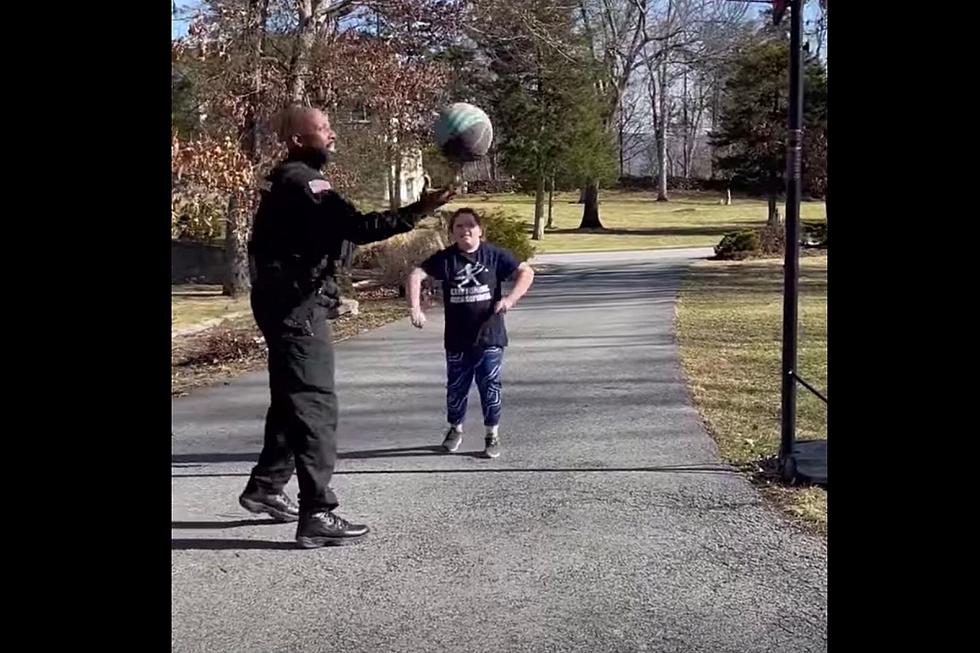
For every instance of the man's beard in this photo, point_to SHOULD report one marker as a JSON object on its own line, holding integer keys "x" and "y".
{"x": 316, "y": 157}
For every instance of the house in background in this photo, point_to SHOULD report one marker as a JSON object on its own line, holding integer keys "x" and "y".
{"x": 408, "y": 181}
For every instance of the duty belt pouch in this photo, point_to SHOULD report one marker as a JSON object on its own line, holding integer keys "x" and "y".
{"x": 328, "y": 296}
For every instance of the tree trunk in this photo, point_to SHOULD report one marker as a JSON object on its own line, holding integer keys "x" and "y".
{"x": 661, "y": 133}
{"x": 299, "y": 64}
{"x": 662, "y": 111}
{"x": 538, "y": 233}
{"x": 689, "y": 148}
{"x": 590, "y": 212}
{"x": 551, "y": 203}
{"x": 237, "y": 275}
{"x": 251, "y": 138}
{"x": 715, "y": 113}
{"x": 238, "y": 278}
{"x": 685, "y": 159}
{"x": 773, "y": 219}
{"x": 389, "y": 187}
{"x": 694, "y": 120}
{"x": 622, "y": 167}
{"x": 661, "y": 165}
{"x": 396, "y": 195}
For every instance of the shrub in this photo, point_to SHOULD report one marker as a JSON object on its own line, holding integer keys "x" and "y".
{"x": 197, "y": 217}
{"x": 737, "y": 245}
{"x": 365, "y": 257}
{"x": 767, "y": 241}
{"x": 772, "y": 240}
{"x": 815, "y": 234}
{"x": 508, "y": 231}
{"x": 489, "y": 186}
{"x": 394, "y": 258}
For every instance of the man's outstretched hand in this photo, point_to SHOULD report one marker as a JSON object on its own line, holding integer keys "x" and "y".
{"x": 432, "y": 200}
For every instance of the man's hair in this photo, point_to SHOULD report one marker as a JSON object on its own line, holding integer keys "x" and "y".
{"x": 459, "y": 212}
{"x": 289, "y": 120}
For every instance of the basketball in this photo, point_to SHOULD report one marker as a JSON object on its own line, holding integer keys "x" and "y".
{"x": 463, "y": 132}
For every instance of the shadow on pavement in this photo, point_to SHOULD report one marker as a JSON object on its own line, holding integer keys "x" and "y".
{"x": 187, "y": 460}
{"x": 218, "y": 525}
{"x": 425, "y": 450}
{"x": 694, "y": 230}
{"x": 229, "y": 545}
{"x": 682, "y": 469}
{"x": 670, "y": 469}
{"x": 181, "y": 459}
{"x": 228, "y": 475}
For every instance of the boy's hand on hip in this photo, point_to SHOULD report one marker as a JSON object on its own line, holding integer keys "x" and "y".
{"x": 504, "y": 305}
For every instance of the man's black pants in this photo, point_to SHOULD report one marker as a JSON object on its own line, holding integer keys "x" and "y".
{"x": 301, "y": 424}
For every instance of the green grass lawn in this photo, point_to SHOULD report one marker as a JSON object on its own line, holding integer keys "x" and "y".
{"x": 192, "y": 305}
{"x": 635, "y": 221}
{"x": 729, "y": 323}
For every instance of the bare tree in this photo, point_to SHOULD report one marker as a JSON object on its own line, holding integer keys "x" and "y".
{"x": 816, "y": 27}
{"x": 634, "y": 129}
{"x": 531, "y": 46}
{"x": 252, "y": 56}
{"x": 616, "y": 33}
{"x": 631, "y": 125}
{"x": 684, "y": 38}
{"x": 312, "y": 15}
{"x": 238, "y": 225}
{"x": 683, "y": 71}
{"x": 694, "y": 104}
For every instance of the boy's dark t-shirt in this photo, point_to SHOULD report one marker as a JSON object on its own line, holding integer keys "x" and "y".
{"x": 471, "y": 287}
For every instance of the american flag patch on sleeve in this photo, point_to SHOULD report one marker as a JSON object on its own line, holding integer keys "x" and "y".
{"x": 319, "y": 185}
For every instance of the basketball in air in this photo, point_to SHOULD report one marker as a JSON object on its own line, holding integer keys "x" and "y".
{"x": 463, "y": 132}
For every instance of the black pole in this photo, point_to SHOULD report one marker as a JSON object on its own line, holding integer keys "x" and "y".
{"x": 791, "y": 268}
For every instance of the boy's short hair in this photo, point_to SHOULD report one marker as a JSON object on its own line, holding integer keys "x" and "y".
{"x": 459, "y": 212}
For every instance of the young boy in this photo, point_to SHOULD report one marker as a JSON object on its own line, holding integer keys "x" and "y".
{"x": 471, "y": 273}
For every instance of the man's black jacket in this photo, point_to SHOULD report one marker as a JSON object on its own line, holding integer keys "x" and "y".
{"x": 298, "y": 239}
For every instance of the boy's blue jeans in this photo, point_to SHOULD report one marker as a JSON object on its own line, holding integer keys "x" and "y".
{"x": 484, "y": 363}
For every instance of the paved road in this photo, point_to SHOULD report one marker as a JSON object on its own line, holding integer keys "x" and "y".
{"x": 608, "y": 524}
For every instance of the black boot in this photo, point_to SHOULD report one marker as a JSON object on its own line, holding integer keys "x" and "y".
{"x": 327, "y": 529}
{"x": 279, "y": 506}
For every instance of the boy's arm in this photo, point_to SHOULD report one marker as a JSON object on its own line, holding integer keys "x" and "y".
{"x": 413, "y": 292}
{"x": 432, "y": 267}
{"x": 524, "y": 277}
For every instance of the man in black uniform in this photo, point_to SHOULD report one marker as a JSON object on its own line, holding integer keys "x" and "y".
{"x": 297, "y": 239}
